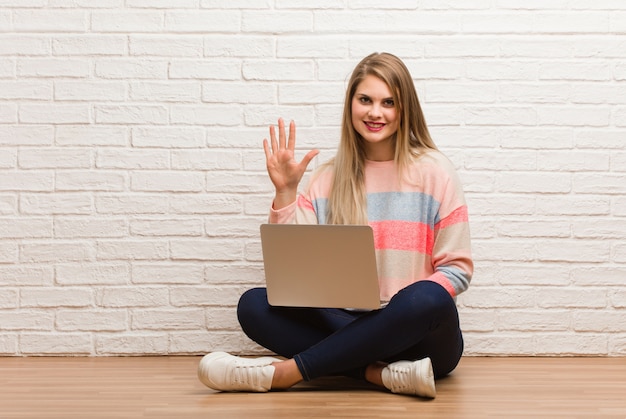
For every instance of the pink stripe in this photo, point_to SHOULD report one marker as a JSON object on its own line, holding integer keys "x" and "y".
{"x": 457, "y": 216}
{"x": 441, "y": 279}
{"x": 305, "y": 203}
{"x": 403, "y": 235}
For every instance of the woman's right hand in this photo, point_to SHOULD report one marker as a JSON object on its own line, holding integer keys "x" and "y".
{"x": 282, "y": 167}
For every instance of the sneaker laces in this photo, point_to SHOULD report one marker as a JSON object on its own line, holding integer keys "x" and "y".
{"x": 400, "y": 379}
{"x": 410, "y": 377}
{"x": 247, "y": 374}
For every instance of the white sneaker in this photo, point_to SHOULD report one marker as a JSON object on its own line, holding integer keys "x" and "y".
{"x": 410, "y": 377}
{"x": 225, "y": 372}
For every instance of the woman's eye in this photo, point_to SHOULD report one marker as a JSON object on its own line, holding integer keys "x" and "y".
{"x": 364, "y": 99}
{"x": 389, "y": 103}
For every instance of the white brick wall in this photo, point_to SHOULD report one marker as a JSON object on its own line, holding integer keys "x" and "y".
{"x": 132, "y": 178}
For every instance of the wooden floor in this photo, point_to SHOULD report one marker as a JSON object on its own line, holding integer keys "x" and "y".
{"x": 167, "y": 387}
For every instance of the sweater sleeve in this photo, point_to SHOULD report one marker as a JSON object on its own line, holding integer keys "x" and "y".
{"x": 301, "y": 211}
{"x": 451, "y": 255}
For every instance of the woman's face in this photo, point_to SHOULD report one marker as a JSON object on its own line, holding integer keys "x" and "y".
{"x": 375, "y": 118}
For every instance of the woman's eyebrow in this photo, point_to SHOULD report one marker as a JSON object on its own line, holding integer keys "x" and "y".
{"x": 366, "y": 95}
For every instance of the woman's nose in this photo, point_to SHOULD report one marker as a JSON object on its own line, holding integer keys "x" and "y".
{"x": 374, "y": 111}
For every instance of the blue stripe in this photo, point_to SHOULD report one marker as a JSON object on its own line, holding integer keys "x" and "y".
{"x": 320, "y": 206}
{"x": 460, "y": 280}
{"x": 384, "y": 206}
{"x": 403, "y": 206}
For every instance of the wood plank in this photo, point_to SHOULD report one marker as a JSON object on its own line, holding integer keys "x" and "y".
{"x": 167, "y": 387}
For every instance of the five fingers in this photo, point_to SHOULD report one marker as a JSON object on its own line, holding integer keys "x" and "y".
{"x": 275, "y": 144}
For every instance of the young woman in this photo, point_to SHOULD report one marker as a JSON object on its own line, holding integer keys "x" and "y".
{"x": 387, "y": 173}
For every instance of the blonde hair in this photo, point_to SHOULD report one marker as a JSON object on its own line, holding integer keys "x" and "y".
{"x": 347, "y": 200}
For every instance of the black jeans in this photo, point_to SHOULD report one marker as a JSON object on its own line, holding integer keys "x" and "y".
{"x": 420, "y": 321}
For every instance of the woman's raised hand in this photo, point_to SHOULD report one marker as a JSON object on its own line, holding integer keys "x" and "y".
{"x": 282, "y": 167}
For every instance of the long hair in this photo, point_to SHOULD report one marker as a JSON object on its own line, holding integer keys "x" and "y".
{"x": 347, "y": 200}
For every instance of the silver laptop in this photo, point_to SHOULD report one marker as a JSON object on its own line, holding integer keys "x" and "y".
{"x": 330, "y": 266}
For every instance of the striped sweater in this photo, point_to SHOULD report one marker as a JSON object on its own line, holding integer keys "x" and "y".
{"x": 420, "y": 222}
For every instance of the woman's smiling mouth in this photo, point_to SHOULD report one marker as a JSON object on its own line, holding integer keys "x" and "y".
{"x": 374, "y": 126}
